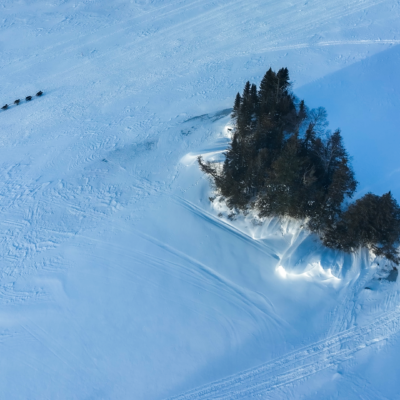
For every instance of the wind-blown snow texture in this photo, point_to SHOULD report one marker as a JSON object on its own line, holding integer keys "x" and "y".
{"x": 118, "y": 278}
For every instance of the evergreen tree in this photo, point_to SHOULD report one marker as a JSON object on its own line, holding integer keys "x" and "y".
{"x": 282, "y": 162}
{"x": 254, "y": 102}
{"x": 373, "y": 222}
{"x": 302, "y": 114}
{"x": 309, "y": 139}
{"x": 245, "y": 112}
{"x": 236, "y": 106}
{"x": 282, "y": 82}
{"x": 268, "y": 88}
{"x": 283, "y": 183}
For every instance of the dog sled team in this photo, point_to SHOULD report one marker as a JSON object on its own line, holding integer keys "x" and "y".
{"x": 27, "y": 98}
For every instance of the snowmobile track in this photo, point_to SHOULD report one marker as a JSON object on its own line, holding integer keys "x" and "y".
{"x": 299, "y": 364}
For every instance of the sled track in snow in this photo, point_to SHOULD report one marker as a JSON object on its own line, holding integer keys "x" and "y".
{"x": 299, "y": 364}
{"x": 212, "y": 219}
{"x": 291, "y": 22}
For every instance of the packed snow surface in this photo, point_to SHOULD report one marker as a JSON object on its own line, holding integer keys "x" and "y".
{"x": 119, "y": 278}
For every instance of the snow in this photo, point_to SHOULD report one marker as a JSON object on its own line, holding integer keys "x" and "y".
{"x": 118, "y": 277}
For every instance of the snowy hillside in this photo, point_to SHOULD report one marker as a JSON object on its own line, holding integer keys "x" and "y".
{"x": 118, "y": 278}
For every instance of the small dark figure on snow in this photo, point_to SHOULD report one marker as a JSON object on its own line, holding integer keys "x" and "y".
{"x": 39, "y": 93}
{"x": 28, "y": 98}
{"x": 17, "y": 101}
{"x": 4, "y": 107}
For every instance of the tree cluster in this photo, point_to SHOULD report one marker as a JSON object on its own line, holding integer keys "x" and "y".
{"x": 283, "y": 162}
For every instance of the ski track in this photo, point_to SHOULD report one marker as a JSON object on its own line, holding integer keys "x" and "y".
{"x": 300, "y": 364}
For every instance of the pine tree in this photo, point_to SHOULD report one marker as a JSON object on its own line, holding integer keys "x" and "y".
{"x": 309, "y": 139}
{"x": 372, "y": 221}
{"x": 255, "y": 103}
{"x": 282, "y": 162}
{"x": 284, "y": 181}
{"x": 302, "y": 114}
{"x": 338, "y": 159}
{"x": 283, "y": 83}
{"x": 233, "y": 165}
{"x": 236, "y": 106}
{"x": 267, "y": 92}
{"x": 245, "y": 112}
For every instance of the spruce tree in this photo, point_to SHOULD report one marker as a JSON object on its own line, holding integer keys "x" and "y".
{"x": 245, "y": 112}
{"x": 267, "y": 91}
{"x": 236, "y": 106}
{"x": 255, "y": 103}
{"x": 283, "y": 183}
{"x": 281, "y": 161}
{"x": 282, "y": 82}
{"x": 302, "y": 114}
{"x": 372, "y": 221}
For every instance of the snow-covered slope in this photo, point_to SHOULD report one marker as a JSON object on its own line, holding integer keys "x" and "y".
{"x": 118, "y": 278}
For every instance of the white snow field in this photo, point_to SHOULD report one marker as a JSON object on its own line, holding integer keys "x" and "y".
{"x": 118, "y": 278}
